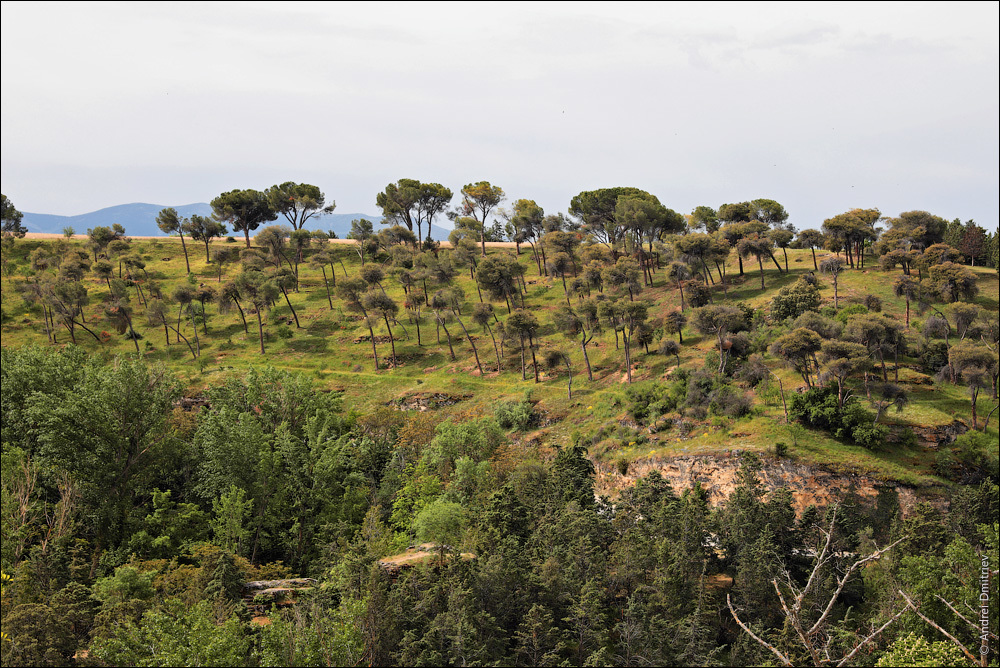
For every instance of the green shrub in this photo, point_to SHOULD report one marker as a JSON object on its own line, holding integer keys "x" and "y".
{"x": 818, "y": 408}
{"x": 873, "y": 304}
{"x": 517, "y": 415}
{"x": 794, "y": 300}
{"x": 649, "y": 401}
{"x": 622, "y": 465}
{"x": 283, "y": 332}
{"x": 849, "y": 310}
{"x": 934, "y": 356}
{"x": 971, "y": 459}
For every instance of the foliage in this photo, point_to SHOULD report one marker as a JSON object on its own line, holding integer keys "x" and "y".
{"x": 818, "y": 408}
{"x": 516, "y": 415}
{"x": 177, "y": 636}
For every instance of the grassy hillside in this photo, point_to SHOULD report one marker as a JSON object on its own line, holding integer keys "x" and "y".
{"x": 332, "y": 347}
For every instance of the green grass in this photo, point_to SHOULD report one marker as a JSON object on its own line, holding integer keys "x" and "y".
{"x": 325, "y": 349}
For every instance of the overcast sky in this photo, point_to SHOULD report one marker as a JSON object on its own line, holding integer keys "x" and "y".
{"x": 823, "y": 107}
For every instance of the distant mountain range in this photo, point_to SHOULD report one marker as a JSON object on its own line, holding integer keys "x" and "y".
{"x": 139, "y": 220}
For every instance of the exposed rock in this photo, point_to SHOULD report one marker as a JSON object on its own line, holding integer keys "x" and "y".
{"x": 262, "y": 595}
{"x": 260, "y": 585}
{"x": 422, "y": 401}
{"x": 718, "y": 476}
{"x": 934, "y": 437}
{"x": 381, "y": 338}
{"x": 191, "y": 403}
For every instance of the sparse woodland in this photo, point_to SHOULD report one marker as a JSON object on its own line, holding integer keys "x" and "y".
{"x": 182, "y": 416}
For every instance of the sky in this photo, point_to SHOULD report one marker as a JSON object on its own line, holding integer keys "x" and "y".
{"x": 823, "y": 107}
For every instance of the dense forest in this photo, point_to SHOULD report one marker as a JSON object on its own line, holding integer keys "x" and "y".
{"x": 287, "y": 450}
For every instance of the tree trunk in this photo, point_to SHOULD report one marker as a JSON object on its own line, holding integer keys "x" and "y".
{"x": 628, "y": 357}
{"x": 448, "y": 336}
{"x": 496, "y": 348}
{"x": 392, "y": 341}
{"x": 184, "y": 246}
{"x": 260, "y": 329}
{"x": 471, "y": 342}
{"x": 583, "y": 346}
{"x": 534, "y": 362}
{"x": 294, "y": 314}
{"x": 325, "y": 283}
{"x": 523, "y": 375}
{"x": 371, "y": 333}
{"x": 197, "y": 342}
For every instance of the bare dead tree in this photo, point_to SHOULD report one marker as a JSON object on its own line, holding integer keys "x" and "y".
{"x": 813, "y": 636}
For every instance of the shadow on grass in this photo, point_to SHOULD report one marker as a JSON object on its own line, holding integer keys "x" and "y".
{"x": 307, "y": 345}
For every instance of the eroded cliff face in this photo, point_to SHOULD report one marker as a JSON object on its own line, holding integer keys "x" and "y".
{"x": 717, "y": 475}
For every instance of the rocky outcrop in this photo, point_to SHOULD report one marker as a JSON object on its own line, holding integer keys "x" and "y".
{"x": 262, "y": 596}
{"x": 191, "y": 403}
{"x": 718, "y": 476}
{"x": 934, "y": 437}
{"x": 422, "y": 401}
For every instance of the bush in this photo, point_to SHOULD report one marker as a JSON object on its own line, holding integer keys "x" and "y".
{"x": 794, "y": 300}
{"x": 851, "y": 309}
{"x": 517, "y": 415}
{"x": 622, "y": 466}
{"x": 283, "y": 332}
{"x": 729, "y": 401}
{"x": 698, "y": 294}
{"x": 873, "y": 304}
{"x": 649, "y": 401}
{"x": 971, "y": 459}
{"x": 818, "y": 408}
{"x": 934, "y": 356}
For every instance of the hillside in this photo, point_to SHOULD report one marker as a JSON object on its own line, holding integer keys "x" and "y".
{"x": 334, "y": 347}
{"x": 408, "y": 458}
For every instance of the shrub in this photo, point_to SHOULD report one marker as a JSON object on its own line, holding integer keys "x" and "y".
{"x": 622, "y": 465}
{"x": 752, "y": 371}
{"x": 283, "y": 332}
{"x": 934, "y": 356}
{"x": 727, "y": 400}
{"x": 794, "y": 300}
{"x": 818, "y": 408}
{"x": 517, "y": 415}
{"x": 851, "y": 309}
{"x": 971, "y": 459}
{"x": 698, "y": 294}
{"x": 873, "y": 304}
